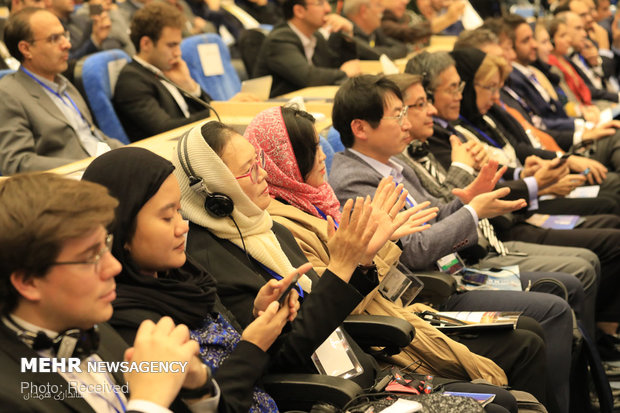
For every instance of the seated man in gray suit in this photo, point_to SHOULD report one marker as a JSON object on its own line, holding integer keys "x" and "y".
{"x": 45, "y": 121}
{"x": 57, "y": 287}
{"x": 372, "y": 120}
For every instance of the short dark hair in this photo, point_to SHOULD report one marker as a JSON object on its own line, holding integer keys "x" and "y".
{"x": 300, "y": 127}
{"x": 18, "y": 29}
{"x": 217, "y": 135}
{"x": 511, "y": 22}
{"x": 288, "y": 5}
{"x": 362, "y": 97}
{"x": 151, "y": 19}
{"x": 39, "y": 212}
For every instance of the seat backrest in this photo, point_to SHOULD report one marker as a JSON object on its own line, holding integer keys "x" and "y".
{"x": 328, "y": 151}
{"x": 249, "y": 43}
{"x": 219, "y": 86}
{"x": 96, "y": 76}
{"x": 333, "y": 137}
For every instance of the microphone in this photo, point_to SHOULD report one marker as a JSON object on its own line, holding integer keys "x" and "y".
{"x": 188, "y": 94}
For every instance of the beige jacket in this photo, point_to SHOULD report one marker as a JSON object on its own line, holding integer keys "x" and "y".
{"x": 438, "y": 354}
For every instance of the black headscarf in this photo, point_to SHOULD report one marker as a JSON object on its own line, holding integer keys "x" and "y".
{"x": 133, "y": 176}
{"x": 468, "y": 61}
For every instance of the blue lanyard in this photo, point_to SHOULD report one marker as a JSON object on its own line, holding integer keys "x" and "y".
{"x": 279, "y": 277}
{"x": 324, "y": 216}
{"x": 487, "y": 137}
{"x": 119, "y": 398}
{"x": 49, "y": 89}
{"x": 407, "y": 200}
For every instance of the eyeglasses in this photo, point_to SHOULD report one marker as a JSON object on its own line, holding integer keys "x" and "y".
{"x": 420, "y": 105}
{"x": 253, "y": 173}
{"x": 54, "y": 38}
{"x": 96, "y": 260}
{"x": 399, "y": 118}
{"x": 491, "y": 89}
{"x": 455, "y": 90}
{"x": 319, "y": 3}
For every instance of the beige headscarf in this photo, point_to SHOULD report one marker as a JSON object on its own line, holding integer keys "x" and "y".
{"x": 254, "y": 223}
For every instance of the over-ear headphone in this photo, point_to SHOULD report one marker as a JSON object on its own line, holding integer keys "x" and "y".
{"x": 417, "y": 149}
{"x": 73, "y": 342}
{"x": 216, "y": 204}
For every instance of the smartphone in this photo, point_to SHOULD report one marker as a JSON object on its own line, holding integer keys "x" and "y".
{"x": 563, "y": 160}
{"x": 95, "y": 9}
{"x": 284, "y": 295}
{"x": 474, "y": 278}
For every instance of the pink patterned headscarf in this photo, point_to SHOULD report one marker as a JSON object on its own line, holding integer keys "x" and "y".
{"x": 267, "y": 131}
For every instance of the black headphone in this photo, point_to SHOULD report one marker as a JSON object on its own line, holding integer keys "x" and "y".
{"x": 417, "y": 149}
{"x": 426, "y": 84}
{"x": 73, "y": 342}
{"x": 216, "y": 204}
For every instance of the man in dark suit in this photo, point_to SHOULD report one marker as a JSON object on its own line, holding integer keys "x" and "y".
{"x": 528, "y": 93}
{"x": 372, "y": 121}
{"x": 297, "y": 55}
{"x": 155, "y": 92}
{"x": 57, "y": 277}
{"x": 372, "y": 42}
{"x": 45, "y": 121}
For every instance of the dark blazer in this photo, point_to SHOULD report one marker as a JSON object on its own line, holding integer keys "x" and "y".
{"x": 597, "y": 94}
{"x": 239, "y": 278}
{"x": 452, "y": 230}
{"x": 372, "y": 46}
{"x": 146, "y": 108}
{"x": 552, "y": 113}
{"x": 12, "y": 398}
{"x": 282, "y": 56}
{"x": 34, "y": 134}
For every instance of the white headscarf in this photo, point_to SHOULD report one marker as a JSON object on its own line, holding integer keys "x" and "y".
{"x": 254, "y": 223}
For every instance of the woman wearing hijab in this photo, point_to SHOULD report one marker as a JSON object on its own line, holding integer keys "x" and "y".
{"x": 224, "y": 195}
{"x": 158, "y": 281}
{"x": 331, "y": 297}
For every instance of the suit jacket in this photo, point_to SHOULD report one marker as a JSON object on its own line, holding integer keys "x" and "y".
{"x": 452, "y": 230}
{"x": 372, "y": 46}
{"x": 282, "y": 56}
{"x": 239, "y": 278}
{"x": 145, "y": 107}
{"x": 552, "y": 113}
{"x": 34, "y": 133}
{"x": 13, "y": 398}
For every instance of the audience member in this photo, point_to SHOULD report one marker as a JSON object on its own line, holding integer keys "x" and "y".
{"x": 366, "y": 18}
{"x": 300, "y": 192}
{"x": 548, "y": 111}
{"x": 87, "y": 34}
{"x": 372, "y": 140}
{"x": 297, "y": 55}
{"x": 119, "y": 30}
{"x": 46, "y": 122}
{"x": 446, "y": 15}
{"x": 397, "y": 23}
{"x": 158, "y": 281}
{"x": 57, "y": 291}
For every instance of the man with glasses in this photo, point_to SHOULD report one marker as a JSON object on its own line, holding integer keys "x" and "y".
{"x": 57, "y": 287}
{"x": 297, "y": 54}
{"x": 372, "y": 120}
{"x": 366, "y": 17}
{"x": 46, "y": 123}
